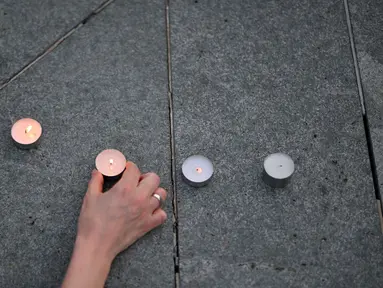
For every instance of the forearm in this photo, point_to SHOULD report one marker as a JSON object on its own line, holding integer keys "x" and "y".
{"x": 89, "y": 267}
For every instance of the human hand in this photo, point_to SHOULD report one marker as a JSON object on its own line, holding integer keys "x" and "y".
{"x": 114, "y": 220}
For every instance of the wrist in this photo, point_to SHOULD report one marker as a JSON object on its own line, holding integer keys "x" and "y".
{"x": 97, "y": 254}
{"x": 89, "y": 266}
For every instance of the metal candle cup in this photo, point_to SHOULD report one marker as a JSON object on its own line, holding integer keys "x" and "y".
{"x": 26, "y": 133}
{"x": 277, "y": 170}
{"x": 197, "y": 170}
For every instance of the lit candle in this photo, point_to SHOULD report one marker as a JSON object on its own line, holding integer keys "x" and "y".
{"x": 197, "y": 170}
{"x": 277, "y": 170}
{"x": 26, "y": 133}
{"x": 111, "y": 163}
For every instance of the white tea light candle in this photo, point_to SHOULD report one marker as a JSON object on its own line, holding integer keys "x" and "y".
{"x": 277, "y": 170}
{"x": 26, "y": 133}
{"x": 111, "y": 163}
{"x": 197, "y": 170}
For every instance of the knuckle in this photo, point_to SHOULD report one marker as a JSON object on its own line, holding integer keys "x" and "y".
{"x": 139, "y": 201}
{"x": 132, "y": 167}
{"x": 162, "y": 191}
{"x": 131, "y": 164}
{"x": 135, "y": 210}
{"x": 154, "y": 177}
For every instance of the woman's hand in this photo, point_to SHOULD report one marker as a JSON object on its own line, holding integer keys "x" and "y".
{"x": 112, "y": 221}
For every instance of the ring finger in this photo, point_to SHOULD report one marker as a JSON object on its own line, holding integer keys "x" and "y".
{"x": 155, "y": 203}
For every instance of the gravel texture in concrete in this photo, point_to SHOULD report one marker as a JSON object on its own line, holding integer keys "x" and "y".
{"x": 253, "y": 78}
{"x": 104, "y": 87}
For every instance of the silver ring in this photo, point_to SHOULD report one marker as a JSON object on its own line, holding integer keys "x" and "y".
{"x": 158, "y": 197}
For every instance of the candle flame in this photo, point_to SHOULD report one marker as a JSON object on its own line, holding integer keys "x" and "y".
{"x": 28, "y": 129}
{"x": 111, "y": 163}
{"x": 199, "y": 170}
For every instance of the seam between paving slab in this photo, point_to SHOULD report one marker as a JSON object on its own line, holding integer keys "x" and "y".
{"x": 172, "y": 149}
{"x": 59, "y": 41}
{"x": 56, "y": 43}
{"x": 366, "y": 124}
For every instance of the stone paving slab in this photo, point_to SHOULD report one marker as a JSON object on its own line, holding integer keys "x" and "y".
{"x": 367, "y": 20}
{"x": 255, "y": 77}
{"x": 104, "y": 87}
{"x": 28, "y": 27}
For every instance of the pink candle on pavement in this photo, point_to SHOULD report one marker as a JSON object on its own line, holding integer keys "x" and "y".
{"x": 111, "y": 163}
{"x": 26, "y": 133}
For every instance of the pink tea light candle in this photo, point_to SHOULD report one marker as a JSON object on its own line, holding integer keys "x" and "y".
{"x": 26, "y": 133}
{"x": 111, "y": 163}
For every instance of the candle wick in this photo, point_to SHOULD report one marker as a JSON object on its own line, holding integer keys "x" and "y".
{"x": 28, "y": 129}
{"x": 111, "y": 164}
{"x": 28, "y": 132}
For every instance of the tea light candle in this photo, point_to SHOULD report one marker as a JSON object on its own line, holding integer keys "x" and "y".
{"x": 278, "y": 169}
{"x": 111, "y": 163}
{"x": 26, "y": 133}
{"x": 197, "y": 170}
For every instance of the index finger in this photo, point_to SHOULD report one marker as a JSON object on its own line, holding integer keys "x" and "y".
{"x": 130, "y": 178}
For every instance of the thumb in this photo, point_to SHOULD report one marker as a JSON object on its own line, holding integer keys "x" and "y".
{"x": 96, "y": 183}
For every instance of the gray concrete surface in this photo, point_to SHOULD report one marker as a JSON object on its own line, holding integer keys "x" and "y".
{"x": 256, "y": 77}
{"x": 105, "y": 87}
{"x": 250, "y": 78}
{"x": 367, "y": 19}
{"x": 28, "y": 27}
